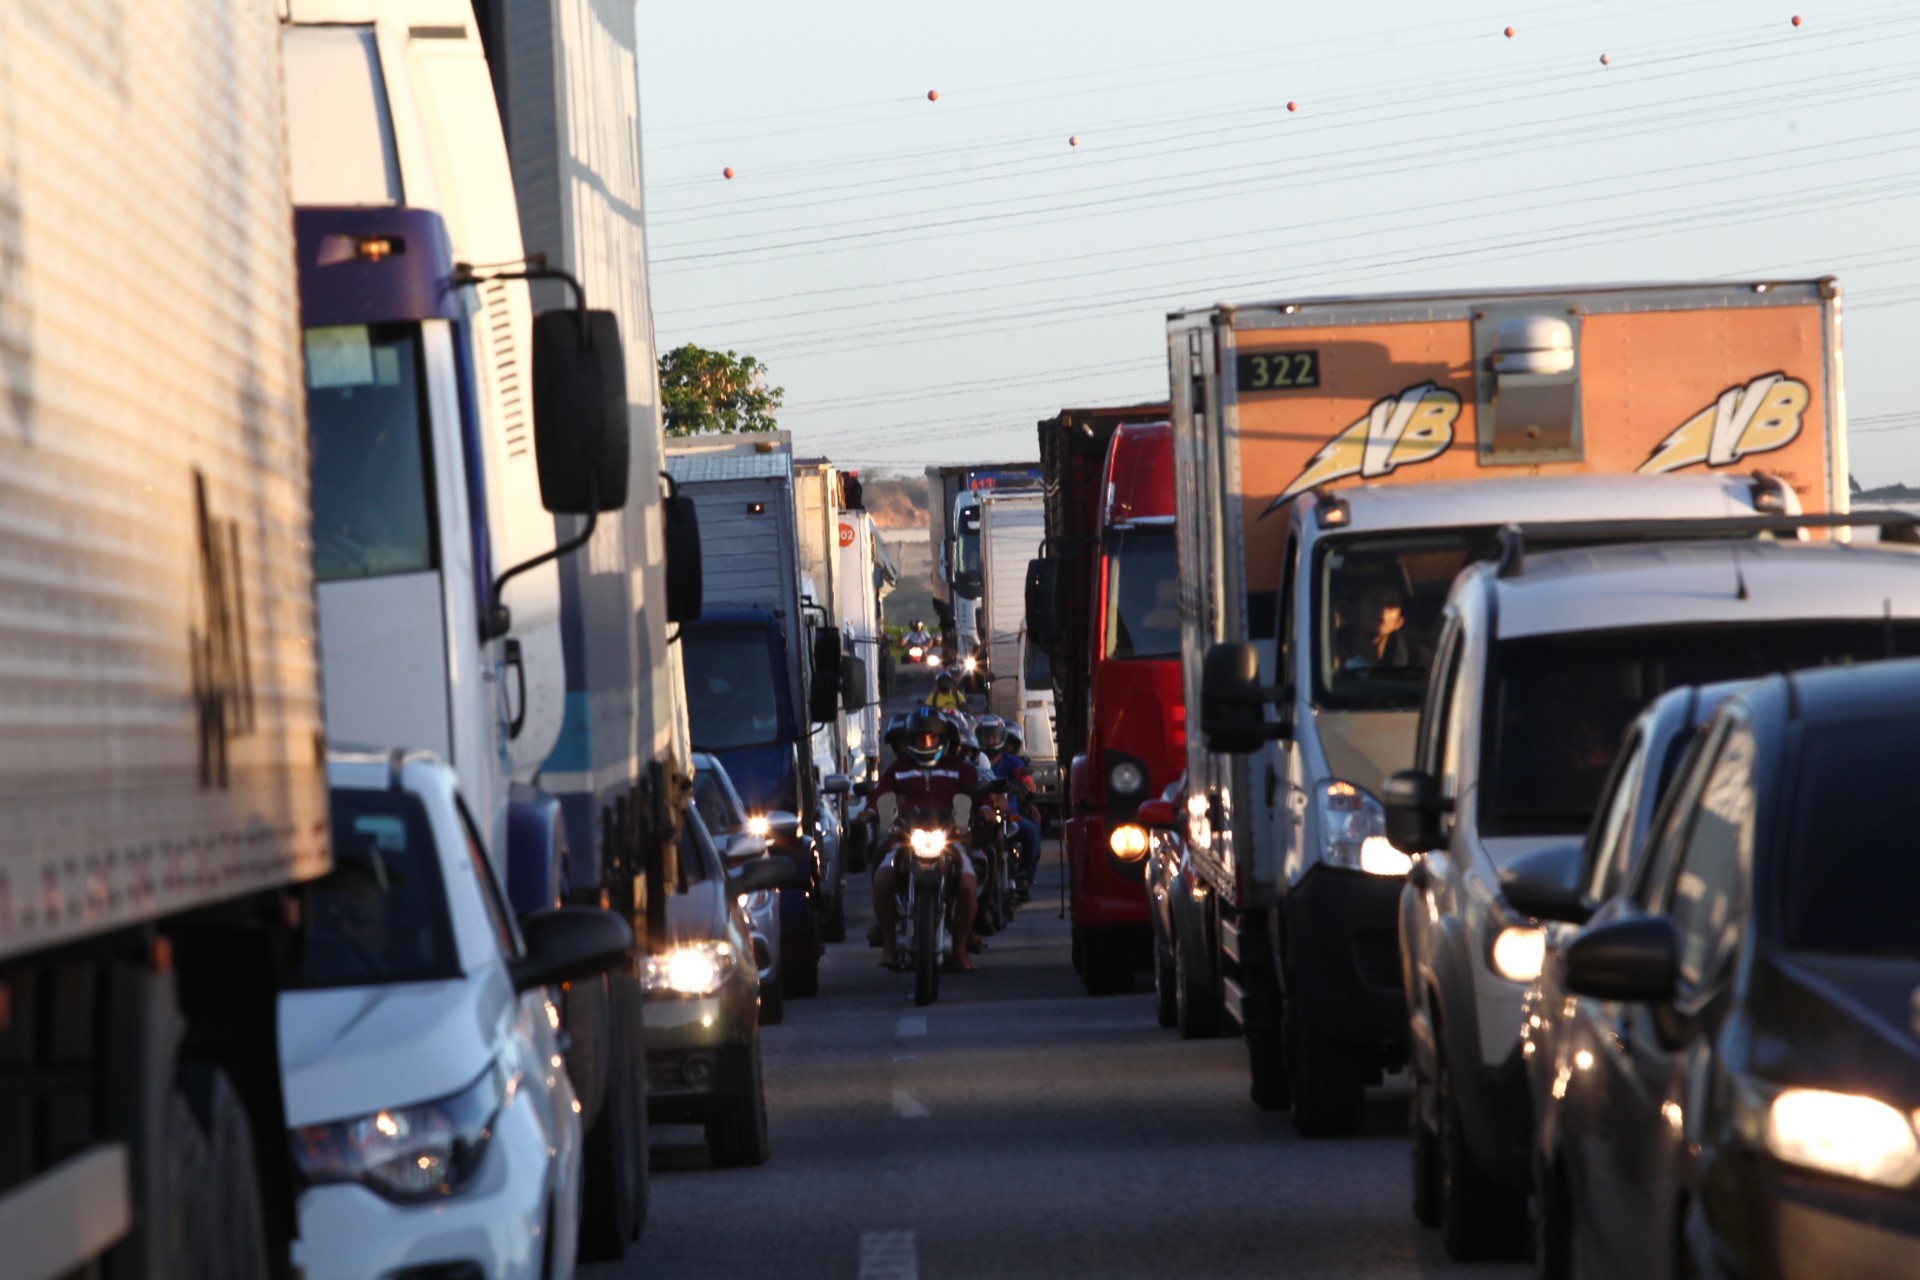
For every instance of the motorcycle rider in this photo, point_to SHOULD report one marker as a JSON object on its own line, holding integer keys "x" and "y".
{"x": 926, "y": 774}
{"x": 996, "y": 738}
{"x": 918, "y": 637}
{"x": 944, "y": 696}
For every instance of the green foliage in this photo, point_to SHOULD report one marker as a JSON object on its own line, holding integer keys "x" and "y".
{"x": 703, "y": 391}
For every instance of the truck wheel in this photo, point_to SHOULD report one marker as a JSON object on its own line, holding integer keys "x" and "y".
{"x": 1166, "y": 986}
{"x": 218, "y": 1219}
{"x": 834, "y": 927}
{"x": 1328, "y": 1079}
{"x": 926, "y": 949}
{"x": 613, "y": 1193}
{"x": 1478, "y": 1217}
{"x": 737, "y": 1136}
{"x": 1197, "y": 991}
{"x": 1267, "y": 1063}
{"x": 1106, "y": 962}
{"x": 1423, "y": 1151}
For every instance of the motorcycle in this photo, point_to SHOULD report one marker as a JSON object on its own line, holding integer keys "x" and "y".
{"x": 924, "y": 902}
{"x": 992, "y": 834}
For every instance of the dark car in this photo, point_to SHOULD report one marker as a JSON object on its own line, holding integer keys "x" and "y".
{"x": 1186, "y": 980}
{"x": 1738, "y": 1092}
{"x": 1570, "y": 884}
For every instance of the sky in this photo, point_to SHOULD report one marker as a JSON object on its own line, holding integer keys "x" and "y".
{"x": 927, "y": 279}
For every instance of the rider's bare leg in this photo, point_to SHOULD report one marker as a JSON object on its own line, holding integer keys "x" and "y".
{"x": 963, "y": 921}
{"x": 883, "y": 894}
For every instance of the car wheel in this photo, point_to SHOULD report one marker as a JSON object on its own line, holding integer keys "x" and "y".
{"x": 1196, "y": 991}
{"x": 737, "y": 1136}
{"x": 1328, "y": 1079}
{"x": 1479, "y": 1218}
{"x": 1166, "y": 986}
{"x": 834, "y": 927}
{"x": 1550, "y": 1208}
{"x": 610, "y": 1189}
{"x": 1423, "y": 1151}
{"x": 1106, "y": 962}
{"x": 773, "y": 1004}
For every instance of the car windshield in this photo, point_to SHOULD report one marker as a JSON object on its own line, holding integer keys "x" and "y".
{"x": 1852, "y": 881}
{"x": 1377, "y": 604}
{"x": 367, "y": 427}
{"x": 1143, "y": 594}
{"x": 1558, "y": 705}
{"x": 732, "y": 696}
{"x": 711, "y": 799}
{"x": 381, "y": 914}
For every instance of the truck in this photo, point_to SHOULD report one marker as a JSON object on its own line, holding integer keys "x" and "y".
{"x": 463, "y": 640}
{"x": 816, "y": 498}
{"x": 760, "y": 675}
{"x": 1338, "y": 462}
{"x": 953, "y": 520}
{"x": 1012, "y": 526}
{"x": 161, "y": 752}
{"x": 867, "y": 573}
{"x": 1094, "y": 600}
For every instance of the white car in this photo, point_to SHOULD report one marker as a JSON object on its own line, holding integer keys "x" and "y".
{"x": 432, "y": 1122}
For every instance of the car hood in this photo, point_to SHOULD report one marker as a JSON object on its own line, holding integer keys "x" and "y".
{"x": 763, "y": 776}
{"x": 1839, "y": 1021}
{"x": 1502, "y": 850}
{"x": 1366, "y": 747}
{"x": 699, "y": 914}
{"x": 351, "y": 1051}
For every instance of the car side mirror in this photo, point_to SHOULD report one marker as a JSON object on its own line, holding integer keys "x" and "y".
{"x": 866, "y": 787}
{"x": 568, "y": 943}
{"x": 1159, "y": 814}
{"x": 824, "y": 694}
{"x": 685, "y": 574}
{"x": 1546, "y": 884}
{"x": 1232, "y": 702}
{"x": 1632, "y": 959}
{"x": 1414, "y": 807}
{"x": 580, "y": 422}
{"x": 763, "y": 874}
{"x": 1043, "y": 601}
{"x": 742, "y": 845}
{"x": 853, "y": 682}
{"x": 836, "y": 784}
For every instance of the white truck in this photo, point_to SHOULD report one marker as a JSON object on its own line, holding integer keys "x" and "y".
{"x": 1012, "y": 526}
{"x": 816, "y": 501}
{"x": 441, "y": 600}
{"x": 161, "y": 754}
{"x": 865, "y": 573}
{"x": 1337, "y": 463}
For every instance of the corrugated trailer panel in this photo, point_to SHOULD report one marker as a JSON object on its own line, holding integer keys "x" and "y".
{"x": 160, "y": 734}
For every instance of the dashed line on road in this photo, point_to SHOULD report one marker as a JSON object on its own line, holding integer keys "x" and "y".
{"x": 888, "y": 1255}
{"x": 910, "y": 1024}
{"x": 908, "y": 1107}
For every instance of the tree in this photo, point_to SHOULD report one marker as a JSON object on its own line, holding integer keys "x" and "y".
{"x": 703, "y": 391}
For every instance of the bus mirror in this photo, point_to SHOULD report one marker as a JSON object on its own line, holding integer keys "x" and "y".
{"x": 580, "y": 425}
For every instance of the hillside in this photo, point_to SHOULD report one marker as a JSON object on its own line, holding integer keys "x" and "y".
{"x": 897, "y": 502}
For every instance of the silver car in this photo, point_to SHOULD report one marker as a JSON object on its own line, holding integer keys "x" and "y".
{"x": 725, "y": 819}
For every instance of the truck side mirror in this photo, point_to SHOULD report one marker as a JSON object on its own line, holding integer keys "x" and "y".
{"x": 580, "y": 425}
{"x": 1232, "y": 707}
{"x": 853, "y": 682}
{"x": 1414, "y": 808}
{"x": 1043, "y": 601}
{"x": 836, "y": 784}
{"x": 823, "y": 696}
{"x": 1161, "y": 815}
{"x": 685, "y": 577}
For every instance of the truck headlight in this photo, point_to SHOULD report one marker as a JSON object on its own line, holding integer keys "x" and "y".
{"x": 421, "y": 1152}
{"x": 1353, "y": 831}
{"x": 1128, "y": 842}
{"x": 1127, "y": 778}
{"x": 696, "y": 969}
{"x": 1846, "y": 1134}
{"x": 927, "y": 844}
{"x": 1519, "y": 951}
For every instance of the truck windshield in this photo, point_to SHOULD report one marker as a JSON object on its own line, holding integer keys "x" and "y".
{"x": 1557, "y": 706}
{"x": 1143, "y": 594}
{"x": 381, "y": 914}
{"x": 1377, "y": 603}
{"x": 732, "y": 693}
{"x": 1852, "y": 884}
{"x": 968, "y": 532}
{"x": 367, "y": 423}
{"x": 1039, "y": 670}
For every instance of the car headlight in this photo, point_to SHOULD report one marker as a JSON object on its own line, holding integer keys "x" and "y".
{"x": 421, "y": 1152}
{"x": 927, "y": 844}
{"x": 695, "y": 969}
{"x": 1846, "y": 1134}
{"x": 1127, "y": 777}
{"x": 1519, "y": 951}
{"x": 1128, "y": 842}
{"x": 1353, "y": 831}
{"x": 758, "y": 827}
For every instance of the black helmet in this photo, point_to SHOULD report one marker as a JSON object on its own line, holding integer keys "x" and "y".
{"x": 943, "y": 682}
{"x": 991, "y": 733}
{"x": 926, "y": 738}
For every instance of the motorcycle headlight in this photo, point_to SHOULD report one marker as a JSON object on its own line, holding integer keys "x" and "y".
{"x": 421, "y": 1152}
{"x": 696, "y": 969}
{"x": 972, "y": 665}
{"x": 1849, "y": 1135}
{"x": 927, "y": 844}
{"x": 1353, "y": 831}
{"x": 915, "y": 652}
{"x": 1127, "y": 778}
{"x": 933, "y": 659}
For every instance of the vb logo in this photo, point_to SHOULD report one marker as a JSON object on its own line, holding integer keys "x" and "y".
{"x": 1399, "y": 431}
{"x": 1762, "y": 416}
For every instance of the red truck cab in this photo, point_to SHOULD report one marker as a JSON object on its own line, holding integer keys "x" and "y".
{"x": 1116, "y": 642}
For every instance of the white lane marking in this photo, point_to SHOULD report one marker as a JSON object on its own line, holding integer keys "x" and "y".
{"x": 888, "y": 1255}
{"x": 908, "y": 1107}
{"x": 910, "y": 1024}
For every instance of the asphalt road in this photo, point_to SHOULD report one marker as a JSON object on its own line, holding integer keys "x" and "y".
{"x": 1019, "y": 1128}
